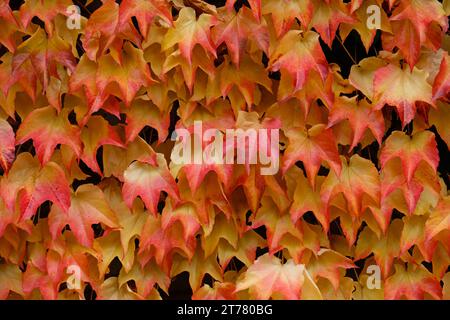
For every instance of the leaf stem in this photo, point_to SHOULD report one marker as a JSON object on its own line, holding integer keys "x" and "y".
{"x": 343, "y": 46}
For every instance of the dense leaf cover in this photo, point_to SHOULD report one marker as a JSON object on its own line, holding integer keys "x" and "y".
{"x": 88, "y": 188}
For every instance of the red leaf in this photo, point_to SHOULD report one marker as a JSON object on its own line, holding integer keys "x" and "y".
{"x": 147, "y": 181}
{"x": 298, "y": 53}
{"x": 411, "y": 151}
{"x": 7, "y": 145}
{"x": 312, "y": 147}
{"x": 48, "y": 129}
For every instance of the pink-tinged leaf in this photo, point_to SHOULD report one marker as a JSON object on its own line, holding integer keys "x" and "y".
{"x": 441, "y": 86}
{"x": 189, "y": 31}
{"x": 236, "y": 29}
{"x": 103, "y": 33}
{"x": 219, "y": 291}
{"x": 186, "y": 214}
{"x": 255, "y": 5}
{"x": 328, "y": 264}
{"x": 10, "y": 280}
{"x": 268, "y": 276}
{"x": 7, "y": 145}
{"x": 413, "y": 283}
{"x": 439, "y": 219}
{"x": 145, "y": 12}
{"x": 88, "y": 206}
{"x": 327, "y": 17}
{"x": 421, "y": 13}
{"x": 312, "y": 147}
{"x": 411, "y": 151}
{"x": 132, "y": 73}
{"x": 158, "y": 243}
{"x": 85, "y": 77}
{"x": 405, "y": 37}
{"x": 47, "y": 128}
{"x": 402, "y": 88}
{"x": 50, "y": 184}
{"x": 142, "y": 113}
{"x": 96, "y": 133}
{"x": 358, "y": 182}
{"x": 297, "y": 54}
{"x": 46, "y": 11}
{"x": 147, "y": 181}
{"x": 284, "y": 13}
{"x": 360, "y": 115}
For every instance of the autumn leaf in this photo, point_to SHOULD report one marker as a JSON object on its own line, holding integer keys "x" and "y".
{"x": 223, "y": 230}
{"x": 99, "y": 100}
{"x": 147, "y": 181}
{"x": 11, "y": 280}
{"x": 145, "y": 12}
{"x": 422, "y": 187}
{"x": 219, "y": 291}
{"x": 197, "y": 267}
{"x": 327, "y": 17}
{"x": 49, "y": 184}
{"x": 439, "y": 219}
{"x": 159, "y": 244}
{"x": 188, "y": 31}
{"x": 145, "y": 278}
{"x": 142, "y": 113}
{"x": 284, "y": 13}
{"x": 48, "y": 129}
{"x": 268, "y": 277}
{"x": 299, "y": 59}
{"x": 362, "y": 75}
{"x": 360, "y": 115}
{"x": 132, "y": 73}
{"x": 409, "y": 88}
{"x": 93, "y": 139}
{"x": 361, "y": 9}
{"x": 244, "y": 78}
{"x": 131, "y": 221}
{"x": 327, "y": 265}
{"x": 306, "y": 199}
{"x": 245, "y": 250}
{"x": 87, "y": 206}
{"x": 384, "y": 249}
{"x": 103, "y": 31}
{"x": 312, "y": 147}
{"x": 7, "y": 145}
{"x": 411, "y": 150}
{"x": 441, "y": 85}
{"x": 254, "y": 4}
{"x": 406, "y": 39}
{"x": 112, "y": 290}
{"x": 42, "y": 54}
{"x": 278, "y": 224}
{"x": 107, "y": 251}
{"x": 236, "y": 29}
{"x": 189, "y": 70}
{"x": 184, "y": 214}
{"x": 358, "y": 182}
{"x": 45, "y": 11}
{"x": 413, "y": 283}
{"x": 421, "y": 14}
